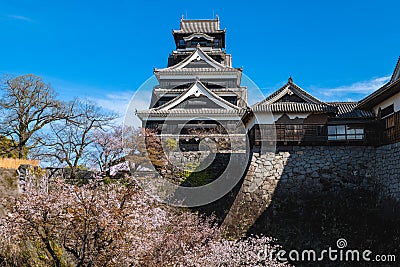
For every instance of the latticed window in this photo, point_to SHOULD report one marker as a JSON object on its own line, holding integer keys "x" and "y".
{"x": 345, "y": 132}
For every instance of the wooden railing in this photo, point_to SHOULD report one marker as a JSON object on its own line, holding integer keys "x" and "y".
{"x": 391, "y": 129}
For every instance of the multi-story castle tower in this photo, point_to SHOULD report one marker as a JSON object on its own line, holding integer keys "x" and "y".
{"x": 199, "y": 91}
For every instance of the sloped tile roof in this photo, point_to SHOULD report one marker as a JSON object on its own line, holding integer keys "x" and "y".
{"x": 169, "y": 110}
{"x": 308, "y": 104}
{"x": 295, "y": 107}
{"x": 189, "y": 112}
{"x": 290, "y": 85}
{"x": 200, "y": 88}
{"x": 196, "y": 56}
{"x": 350, "y": 110}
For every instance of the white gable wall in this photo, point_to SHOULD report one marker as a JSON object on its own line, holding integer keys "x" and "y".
{"x": 392, "y": 100}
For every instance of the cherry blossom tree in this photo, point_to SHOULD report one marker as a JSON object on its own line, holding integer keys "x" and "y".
{"x": 114, "y": 225}
{"x": 107, "y": 148}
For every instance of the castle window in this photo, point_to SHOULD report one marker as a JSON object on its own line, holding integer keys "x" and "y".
{"x": 201, "y": 43}
{"x": 387, "y": 111}
{"x": 181, "y": 43}
{"x": 345, "y": 132}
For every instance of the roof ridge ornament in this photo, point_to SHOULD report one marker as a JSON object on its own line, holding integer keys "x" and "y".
{"x": 290, "y": 80}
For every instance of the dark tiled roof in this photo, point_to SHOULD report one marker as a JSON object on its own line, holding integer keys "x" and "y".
{"x": 294, "y": 107}
{"x": 208, "y": 64}
{"x": 202, "y": 87}
{"x": 295, "y": 89}
{"x": 180, "y": 90}
{"x": 190, "y": 70}
{"x": 199, "y": 25}
{"x": 350, "y": 110}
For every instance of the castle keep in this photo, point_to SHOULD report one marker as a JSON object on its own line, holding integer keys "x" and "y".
{"x": 199, "y": 91}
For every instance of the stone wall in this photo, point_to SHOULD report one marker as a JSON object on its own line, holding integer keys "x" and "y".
{"x": 297, "y": 170}
{"x": 387, "y": 169}
{"x": 8, "y": 185}
{"x": 31, "y": 177}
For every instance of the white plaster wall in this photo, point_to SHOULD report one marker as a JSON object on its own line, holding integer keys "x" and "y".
{"x": 392, "y": 100}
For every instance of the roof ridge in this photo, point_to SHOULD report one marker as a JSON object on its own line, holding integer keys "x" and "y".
{"x": 342, "y": 102}
{"x": 299, "y": 103}
{"x": 215, "y": 19}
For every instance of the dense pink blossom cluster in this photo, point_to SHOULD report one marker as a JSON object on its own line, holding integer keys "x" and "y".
{"x": 115, "y": 224}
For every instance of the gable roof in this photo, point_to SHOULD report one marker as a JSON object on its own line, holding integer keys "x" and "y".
{"x": 197, "y": 89}
{"x": 292, "y": 89}
{"x": 227, "y": 110}
{"x": 199, "y": 25}
{"x": 197, "y": 55}
{"x": 307, "y": 102}
{"x": 387, "y": 90}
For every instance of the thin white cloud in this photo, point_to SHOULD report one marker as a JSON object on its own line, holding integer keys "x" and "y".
{"x": 114, "y": 102}
{"x": 20, "y": 17}
{"x": 119, "y": 102}
{"x": 361, "y": 88}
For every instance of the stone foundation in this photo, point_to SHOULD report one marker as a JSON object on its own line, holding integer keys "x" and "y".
{"x": 387, "y": 169}
{"x": 297, "y": 170}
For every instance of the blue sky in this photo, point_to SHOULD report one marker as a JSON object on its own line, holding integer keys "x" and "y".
{"x": 104, "y": 50}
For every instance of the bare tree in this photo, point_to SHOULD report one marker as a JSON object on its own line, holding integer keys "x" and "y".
{"x": 27, "y": 105}
{"x": 69, "y": 140}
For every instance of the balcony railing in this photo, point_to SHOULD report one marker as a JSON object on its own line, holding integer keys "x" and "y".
{"x": 292, "y": 133}
{"x": 391, "y": 129}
